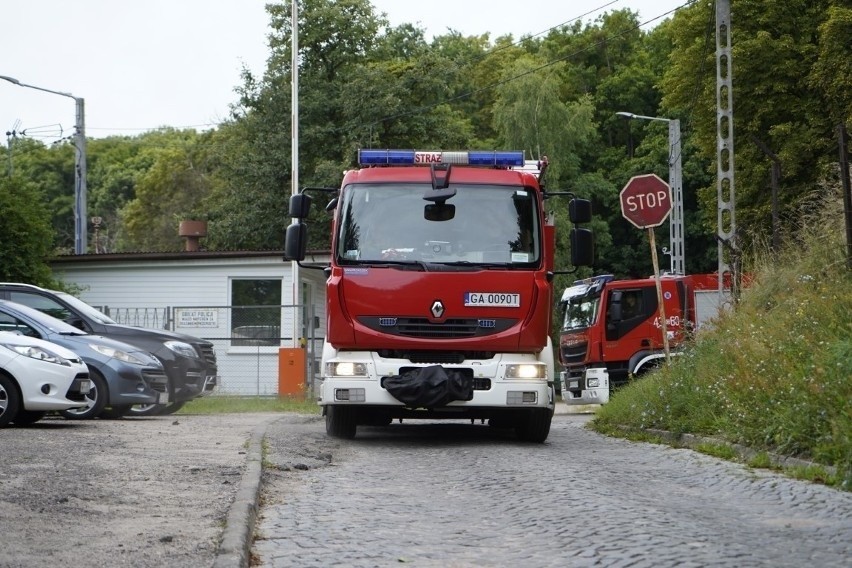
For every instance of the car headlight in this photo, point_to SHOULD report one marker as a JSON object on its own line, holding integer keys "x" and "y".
{"x": 346, "y": 369}
{"x": 182, "y": 348}
{"x": 526, "y": 371}
{"x": 38, "y": 353}
{"x": 117, "y": 354}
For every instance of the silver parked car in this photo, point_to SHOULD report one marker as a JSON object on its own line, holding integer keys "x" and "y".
{"x": 36, "y": 377}
{"x": 121, "y": 374}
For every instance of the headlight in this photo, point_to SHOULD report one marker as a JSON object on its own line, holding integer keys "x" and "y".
{"x": 593, "y": 383}
{"x": 117, "y": 354}
{"x": 38, "y": 353}
{"x": 346, "y": 369}
{"x": 526, "y": 371}
{"x": 182, "y": 348}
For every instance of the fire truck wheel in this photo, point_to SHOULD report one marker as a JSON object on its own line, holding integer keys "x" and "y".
{"x": 535, "y": 426}
{"x": 340, "y": 422}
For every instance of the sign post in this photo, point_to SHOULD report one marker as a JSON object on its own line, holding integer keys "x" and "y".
{"x": 646, "y": 201}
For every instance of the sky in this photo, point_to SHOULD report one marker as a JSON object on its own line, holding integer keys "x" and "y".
{"x": 140, "y": 65}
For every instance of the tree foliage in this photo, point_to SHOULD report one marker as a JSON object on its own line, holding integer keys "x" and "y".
{"x": 27, "y": 240}
{"x": 364, "y": 83}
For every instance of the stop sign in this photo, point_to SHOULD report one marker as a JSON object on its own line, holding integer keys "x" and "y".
{"x": 646, "y": 201}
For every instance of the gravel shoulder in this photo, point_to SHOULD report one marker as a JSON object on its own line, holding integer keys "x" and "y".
{"x": 141, "y": 492}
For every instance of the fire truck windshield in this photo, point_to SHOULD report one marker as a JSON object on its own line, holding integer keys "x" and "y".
{"x": 387, "y": 223}
{"x": 580, "y": 311}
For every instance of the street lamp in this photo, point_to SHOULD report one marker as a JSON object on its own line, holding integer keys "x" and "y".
{"x": 80, "y": 237}
{"x": 676, "y": 183}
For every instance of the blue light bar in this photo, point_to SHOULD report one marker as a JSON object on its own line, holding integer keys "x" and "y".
{"x": 385, "y": 157}
{"x": 427, "y": 157}
{"x": 496, "y": 158}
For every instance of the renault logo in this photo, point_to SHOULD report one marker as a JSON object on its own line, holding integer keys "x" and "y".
{"x": 437, "y": 308}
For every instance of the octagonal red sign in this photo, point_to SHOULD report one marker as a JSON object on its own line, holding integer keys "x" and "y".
{"x": 646, "y": 201}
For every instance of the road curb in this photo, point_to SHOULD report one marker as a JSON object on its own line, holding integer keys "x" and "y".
{"x": 235, "y": 547}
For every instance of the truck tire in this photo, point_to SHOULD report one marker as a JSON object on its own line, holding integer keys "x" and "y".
{"x": 10, "y": 401}
{"x": 96, "y": 399}
{"x": 340, "y": 422}
{"x": 27, "y": 417}
{"x": 535, "y": 426}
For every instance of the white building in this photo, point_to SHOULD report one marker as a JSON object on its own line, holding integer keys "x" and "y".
{"x": 241, "y": 301}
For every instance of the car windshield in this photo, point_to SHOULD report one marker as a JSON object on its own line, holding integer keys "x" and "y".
{"x": 85, "y": 308}
{"x": 579, "y": 312}
{"x": 479, "y": 225}
{"x": 41, "y": 318}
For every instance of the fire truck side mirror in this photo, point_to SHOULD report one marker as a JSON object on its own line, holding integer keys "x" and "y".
{"x": 580, "y": 210}
{"x": 300, "y": 205}
{"x": 582, "y": 247}
{"x": 615, "y": 307}
{"x": 296, "y": 241}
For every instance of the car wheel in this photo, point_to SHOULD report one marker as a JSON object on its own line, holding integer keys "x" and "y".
{"x": 95, "y": 399}
{"x": 155, "y": 409}
{"x": 26, "y": 417}
{"x": 10, "y": 401}
{"x": 115, "y": 412}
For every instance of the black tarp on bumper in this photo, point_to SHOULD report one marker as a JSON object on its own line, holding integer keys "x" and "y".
{"x": 430, "y": 387}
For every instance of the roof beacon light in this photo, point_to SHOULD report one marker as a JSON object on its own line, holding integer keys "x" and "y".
{"x": 425, "y": 158}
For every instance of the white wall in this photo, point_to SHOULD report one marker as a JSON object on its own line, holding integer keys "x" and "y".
{"x": 123, "y": 281}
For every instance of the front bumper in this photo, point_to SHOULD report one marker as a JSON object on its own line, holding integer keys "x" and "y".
{"x": 47, "y": 386}
{"x": 132, "y": 384}
{"x": 491, "y": 389}
{"x": 590, "y": 387}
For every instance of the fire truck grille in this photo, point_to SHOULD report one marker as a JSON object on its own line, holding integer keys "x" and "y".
{"x": 452, "y": 328}
{"x": 575, "y": 353}
{"x": 435, "y": 357}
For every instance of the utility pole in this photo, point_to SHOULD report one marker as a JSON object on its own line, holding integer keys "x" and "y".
{"x": 80, "y": 237}
{"x": 727, "y": 228}
{"x": 294, "y": 160}
{"x": 676, "y": 233}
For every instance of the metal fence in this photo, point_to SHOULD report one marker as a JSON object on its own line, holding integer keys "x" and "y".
{"x": 247, "y": 339}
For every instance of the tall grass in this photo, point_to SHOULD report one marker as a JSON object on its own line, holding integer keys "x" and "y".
{"x": 776, "y": 372}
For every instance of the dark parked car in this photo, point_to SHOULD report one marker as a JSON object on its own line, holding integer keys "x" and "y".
{"x": 121, "y": 374}
{"x": 190, "y": 362}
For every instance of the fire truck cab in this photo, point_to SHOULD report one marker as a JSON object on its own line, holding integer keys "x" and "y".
{"x": 612, "y": 331}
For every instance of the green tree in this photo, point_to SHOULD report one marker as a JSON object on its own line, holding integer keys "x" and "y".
{"x": 789, "y": 91}
{"x": 172, "y": 189}
{"x": 27, "y": 242}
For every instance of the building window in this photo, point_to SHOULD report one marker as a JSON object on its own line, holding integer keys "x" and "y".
{"x": 255, "y": 312}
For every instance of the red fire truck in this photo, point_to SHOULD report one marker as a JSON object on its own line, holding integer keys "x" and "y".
{"x": 439, "y": 292}
{"x": 611, "y": 329}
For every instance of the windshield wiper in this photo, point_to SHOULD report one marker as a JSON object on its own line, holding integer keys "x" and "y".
{"x": 400, "y": 264}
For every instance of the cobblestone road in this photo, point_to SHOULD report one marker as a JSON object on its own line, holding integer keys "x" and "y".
{"x": 455, "y": 495}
